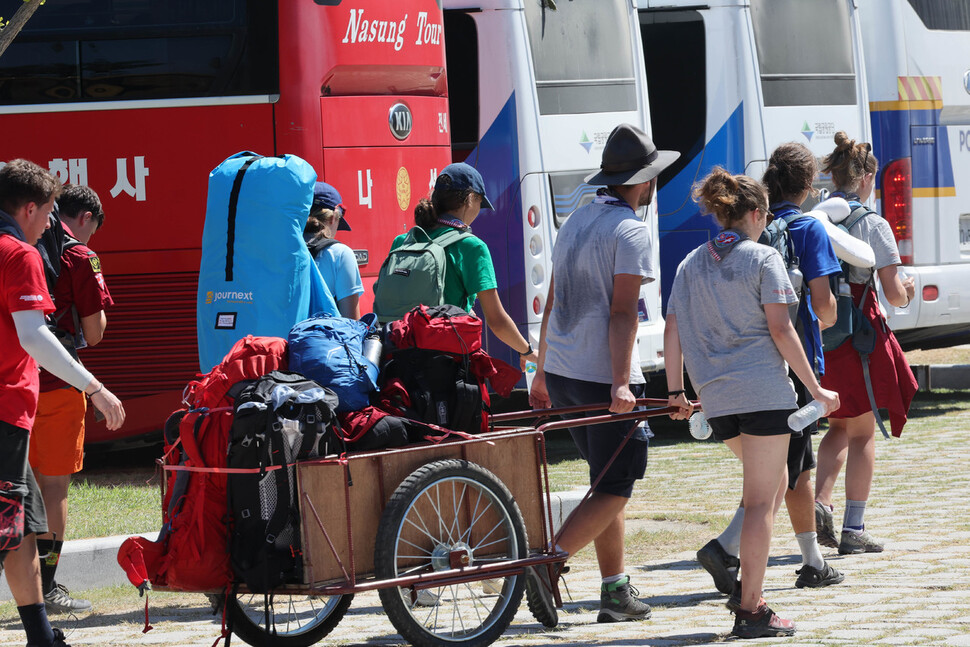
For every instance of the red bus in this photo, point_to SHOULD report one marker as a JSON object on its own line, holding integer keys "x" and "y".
{"x": 141, "y": 99}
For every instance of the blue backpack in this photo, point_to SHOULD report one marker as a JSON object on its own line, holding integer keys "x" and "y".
{"x": 329, "y": 350}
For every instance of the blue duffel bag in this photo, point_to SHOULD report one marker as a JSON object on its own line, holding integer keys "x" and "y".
{"x": 329, "y": 350}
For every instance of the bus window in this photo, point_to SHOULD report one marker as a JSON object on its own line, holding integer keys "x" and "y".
{"x": 461, "y": 52}
{"x": 142, "y": 50}
{"x": 951, "y": 15}
{"x": 583, "y": 56}
{"x": 673, "y": 50}
{"x": 569, "y": 192}
{"x": 808, "y": 65}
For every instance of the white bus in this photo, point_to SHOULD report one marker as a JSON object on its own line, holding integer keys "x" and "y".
{"x": 730, "y": 80}
{"x": 535, "y": 87}
{"x": 918, "y": 68}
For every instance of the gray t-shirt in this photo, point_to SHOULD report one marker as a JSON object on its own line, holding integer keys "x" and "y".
{"x": 730, "y": 356}
{"x": 874, "y": 230}
{"x": 597, "y": 242}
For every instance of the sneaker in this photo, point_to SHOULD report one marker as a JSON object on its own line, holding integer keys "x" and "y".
{"x": 816, "y": 578}
{"x": 763, "y": 623}
{"x": 825, "y": 526}
{"x": 734, "y": 602}
{"x": 425, "y": 598}
{"x": 492, "y": 587}
{"x": 538, "y": 593}
{"x": 854, "y": 543}
{"x": 59, "y": 600}
{"x": 618, "y": 602}
{"x": 722, "y": 566}
{"x": 58, "y": 639}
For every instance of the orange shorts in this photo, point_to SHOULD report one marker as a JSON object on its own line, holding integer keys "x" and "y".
{"x": 57, "y": 439}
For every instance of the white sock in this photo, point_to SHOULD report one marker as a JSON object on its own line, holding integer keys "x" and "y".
{"x": 613, "y": 578}
{"x": 811, "y": 555}
{"x": 730, "y": 539}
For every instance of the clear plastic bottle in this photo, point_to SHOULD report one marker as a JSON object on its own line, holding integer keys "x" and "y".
{"x": 806, "y": 415}
{"x": 699, "y": 428}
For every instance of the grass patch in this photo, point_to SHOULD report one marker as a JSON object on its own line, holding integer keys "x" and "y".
{"x": 98, "y": 510}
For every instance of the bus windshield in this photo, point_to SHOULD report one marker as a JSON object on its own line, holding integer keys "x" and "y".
{"x": 808, "y": 65}
{"x": 583, "y": 56}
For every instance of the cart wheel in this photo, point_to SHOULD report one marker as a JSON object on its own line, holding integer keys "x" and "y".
{"x": 445, "y": 513}
{"x": 292, "y": 620}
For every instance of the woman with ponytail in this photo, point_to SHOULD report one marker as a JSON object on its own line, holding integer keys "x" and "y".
{"x": 850, "y": 439}
{"x": 727, "y": 320}
{"x": 457, "y": 199}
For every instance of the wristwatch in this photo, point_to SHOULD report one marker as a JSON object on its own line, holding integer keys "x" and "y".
{"x": 528, "y": 351}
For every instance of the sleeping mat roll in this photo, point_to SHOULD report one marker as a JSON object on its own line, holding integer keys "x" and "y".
{"x": 256, "y": 276}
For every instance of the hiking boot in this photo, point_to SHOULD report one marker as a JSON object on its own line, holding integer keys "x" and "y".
{"x": 425, "y": 598}
{"x": 854, "y": 543}
{"x": 492, "y": 587}
{"x": 618, "y": 602}
{"x": 538, "y": 593}
{"x": 722, "y": 566}
{"x": 763, "y": 623}
{"x": 59, "y": 600}
{"x": 734, "y": 602}
{"x": 816, "y": 578}
{"x": 58, "y": 639}
{"x": 825, "y": 526}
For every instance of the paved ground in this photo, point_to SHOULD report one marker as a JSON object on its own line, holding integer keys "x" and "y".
{"x": 916, "y": 593}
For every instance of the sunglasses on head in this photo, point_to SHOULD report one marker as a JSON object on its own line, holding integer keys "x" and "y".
{"x": 865, "y": 161}
{"x": 768, "y": 217}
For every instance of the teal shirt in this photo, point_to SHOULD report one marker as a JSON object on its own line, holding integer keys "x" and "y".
{"x": 470, "y": 268}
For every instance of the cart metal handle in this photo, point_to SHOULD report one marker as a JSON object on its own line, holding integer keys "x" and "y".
{"x": 583, "y": 408}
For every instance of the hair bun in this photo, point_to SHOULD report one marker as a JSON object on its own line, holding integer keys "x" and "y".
{"x": 842, "y": 141}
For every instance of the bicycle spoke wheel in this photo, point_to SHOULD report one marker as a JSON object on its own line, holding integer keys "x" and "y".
{"x": 283, "y": 620}
{"x": 447, "y": 514}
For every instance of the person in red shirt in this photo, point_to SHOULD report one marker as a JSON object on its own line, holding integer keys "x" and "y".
{"x": 57, "y": 439}
{"x": 27, "y": 194}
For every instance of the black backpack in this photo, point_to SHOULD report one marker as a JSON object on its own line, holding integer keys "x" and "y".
{"x": 777, "y": 235}
{"x": 52, "y": 245}
{"x": 279, "y": 419}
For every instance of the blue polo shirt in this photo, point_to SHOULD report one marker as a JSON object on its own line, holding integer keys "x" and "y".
{"x": 815, "y": 258}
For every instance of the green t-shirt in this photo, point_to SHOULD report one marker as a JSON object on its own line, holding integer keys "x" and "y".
{"x": 470, "y": 268}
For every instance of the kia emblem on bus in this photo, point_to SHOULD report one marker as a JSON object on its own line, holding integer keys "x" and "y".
{"x": 399, "y": 119}
{"x": 966, "y": 81}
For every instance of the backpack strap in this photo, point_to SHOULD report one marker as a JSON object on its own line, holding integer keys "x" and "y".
{"x": 450, "y": 237}
{"x": 857, "y": 214}
{"x": 233, "y": 203}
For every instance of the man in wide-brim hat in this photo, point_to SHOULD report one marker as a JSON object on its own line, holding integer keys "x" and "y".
{"x": 588, "y": 355}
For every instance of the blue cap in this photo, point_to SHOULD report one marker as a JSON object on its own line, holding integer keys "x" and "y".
{"x": 461, "y": 176}
{"x": 327, "y": 197}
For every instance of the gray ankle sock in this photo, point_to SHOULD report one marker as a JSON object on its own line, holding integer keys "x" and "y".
{"x": 811, "y": 555}
{"x": 853, "y": 517}
{"x": 730, "y": 539}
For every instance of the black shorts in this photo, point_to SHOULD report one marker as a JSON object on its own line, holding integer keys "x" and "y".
{"x": 598, "y": 443}
{"x": 15, "y": 469}
{"x": 755, "y": 423}
{"x": 801, "y": 458}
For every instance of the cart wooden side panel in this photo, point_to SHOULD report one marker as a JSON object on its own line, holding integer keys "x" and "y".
{"x": 350, "y": 514}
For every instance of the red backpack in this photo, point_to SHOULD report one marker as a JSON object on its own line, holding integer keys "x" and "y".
{"x": 192, "y": 549}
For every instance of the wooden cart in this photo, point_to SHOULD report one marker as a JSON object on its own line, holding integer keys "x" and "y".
{"x": 443, "y": 531}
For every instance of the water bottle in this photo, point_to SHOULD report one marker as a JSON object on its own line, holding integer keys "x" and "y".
{"x": 699, "y": 428}
{"x": 806, "y": 415}
{"x": 373, "y": 348}
{"x": 531, "y": 368}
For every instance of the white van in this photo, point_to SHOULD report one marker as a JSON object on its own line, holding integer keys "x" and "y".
{"x": 534, "y": 88}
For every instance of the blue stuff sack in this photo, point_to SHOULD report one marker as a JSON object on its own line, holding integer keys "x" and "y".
{"x": 329, "y": 350}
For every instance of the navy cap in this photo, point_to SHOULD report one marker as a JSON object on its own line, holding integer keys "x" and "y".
{"x": 327, "y": 197}
{"x": 462, "y": 176}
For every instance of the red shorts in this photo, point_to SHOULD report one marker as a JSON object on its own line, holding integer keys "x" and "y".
{"x": 57, "y": 439}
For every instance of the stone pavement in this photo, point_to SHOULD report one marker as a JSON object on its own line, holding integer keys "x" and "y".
{"x": 915, "y": 593}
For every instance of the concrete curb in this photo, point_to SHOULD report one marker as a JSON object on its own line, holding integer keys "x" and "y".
{"x": 942, "y": 376}
{"x": 93, "y": 563}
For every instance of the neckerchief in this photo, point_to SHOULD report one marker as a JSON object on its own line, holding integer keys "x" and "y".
{"x": 784, "y": 208}
{"x": 851, "y": 198}
{"x": 724, "y": 242}
{"x": 10, "y": 226}
{"x": 454, "y": 222}
{"x": 605, "y": 196}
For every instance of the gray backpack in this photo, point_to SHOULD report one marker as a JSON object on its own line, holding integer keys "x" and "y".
{"x": 413, "y": 274}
